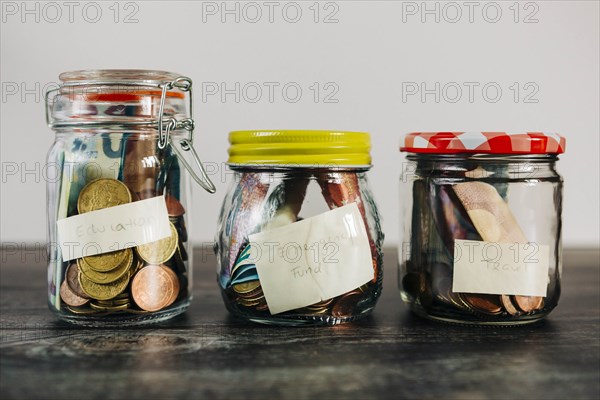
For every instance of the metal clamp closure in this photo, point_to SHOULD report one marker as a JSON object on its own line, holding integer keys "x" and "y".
{"x": 165, "y": 125}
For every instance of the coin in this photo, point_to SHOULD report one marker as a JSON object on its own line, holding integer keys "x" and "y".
{"x": 508, "y": 305}
{"x": 102, "y": 193}
{"x": 246, "y": 287}
{"x": 82, "y": 310}
{"x": 529, "y": 303}
{"x": 107, "y": 261}
{"x": 100, "y": 307}
{"x": 486, "y": 303}
{"x": 345, "y": 305}
{"x": 153, "y": 287}
{"x": 109, "y": 276}
{"x": 72, "y": 278}
{"x": 177, "y": 285}
{"x": 99, "y": 291}
{"x": 112, "y": 302}
{"x": 318, "y": 308}
{"x": 69, "y": 297}
{"x": 174, "y": 207}
{"x": 161, "y": 251}
{"x": 320, "y": 305}
{"x": 139, "y": 264}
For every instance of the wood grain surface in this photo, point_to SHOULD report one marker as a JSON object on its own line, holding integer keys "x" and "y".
{"x": 206, "y": 354}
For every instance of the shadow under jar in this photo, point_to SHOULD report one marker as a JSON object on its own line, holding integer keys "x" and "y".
{"x": 118, "y": 215}
{"x": 299, "y": 237}
{"x": 482, "y": 226}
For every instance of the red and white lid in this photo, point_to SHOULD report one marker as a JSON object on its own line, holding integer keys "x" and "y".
{"x": 484, "y": 143}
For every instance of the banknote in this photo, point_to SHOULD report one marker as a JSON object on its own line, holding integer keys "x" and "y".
{"x": 86, "y": 157}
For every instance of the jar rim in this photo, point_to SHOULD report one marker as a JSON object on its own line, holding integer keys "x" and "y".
{"x": 295, "y": 167}
{"x": 93, "y": 76}
{"x": 543, "y": 157}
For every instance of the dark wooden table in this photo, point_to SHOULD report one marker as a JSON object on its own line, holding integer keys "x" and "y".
{"x": 208, "y": 354}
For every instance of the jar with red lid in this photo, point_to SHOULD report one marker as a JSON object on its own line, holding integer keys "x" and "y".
{"x": 481, "y": 226}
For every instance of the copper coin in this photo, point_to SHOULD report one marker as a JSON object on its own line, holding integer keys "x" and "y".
{"x": 486, "y": 303}
{"x": 69, "y": 297}
{"x": 345, "y": 305}
{"x": 174, "y": 207}
{"x": 177, "y": 285}
{"x": 508, "y": 305}
{"x": 529, "y": 303}
{"x": 72, "y": 278}
{"x": 153, "y": 287}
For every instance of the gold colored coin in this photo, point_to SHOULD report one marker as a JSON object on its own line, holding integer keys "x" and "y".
{"x": 113, "y": 302}
{"x": 246, "y": 287}
{"x": 82, "y": 310}
{"x": 107, "y": 261}
{"x": 106, "y": 277}
{"x": 161, "y": 251}
{"x": 99, "y": 291}
{"x": 99, "y": 307}
{"x": 102, "y": 193}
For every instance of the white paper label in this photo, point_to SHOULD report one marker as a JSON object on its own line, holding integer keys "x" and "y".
{"x": 313, "y": 260}
{"x": 113, "y": 228}
{"x": 500, "y": 268}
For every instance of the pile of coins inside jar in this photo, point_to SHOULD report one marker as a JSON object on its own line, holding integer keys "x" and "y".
{"x": 147, "y": 278}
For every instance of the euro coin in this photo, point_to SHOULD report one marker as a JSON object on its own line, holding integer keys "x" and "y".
{"x": 107, "y": 261}
{"x": 161, "y": 251}
{"x": 153, "y": 287}
{"x": 102, "y": 193}
{"x": 100, "y": 291}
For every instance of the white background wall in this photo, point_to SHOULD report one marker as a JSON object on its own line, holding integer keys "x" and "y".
{"x": 373, "y": 50}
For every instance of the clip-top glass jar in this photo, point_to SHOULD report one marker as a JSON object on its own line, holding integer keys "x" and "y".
{"x": 482, "y": 226}
{"x": 299, "y": 239}
{"x": 118, "y": 214}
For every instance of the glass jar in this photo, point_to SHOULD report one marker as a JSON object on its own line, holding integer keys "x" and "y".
{"x": 482, "y": 226}
{"x": 118, "y": 216}
{"x": 299, "y": 237}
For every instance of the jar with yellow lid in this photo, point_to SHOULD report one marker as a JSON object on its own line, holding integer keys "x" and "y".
{"x": 299, "y": 236}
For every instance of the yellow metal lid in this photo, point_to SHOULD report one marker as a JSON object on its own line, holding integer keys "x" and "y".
{"x": 300, "y": 147}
